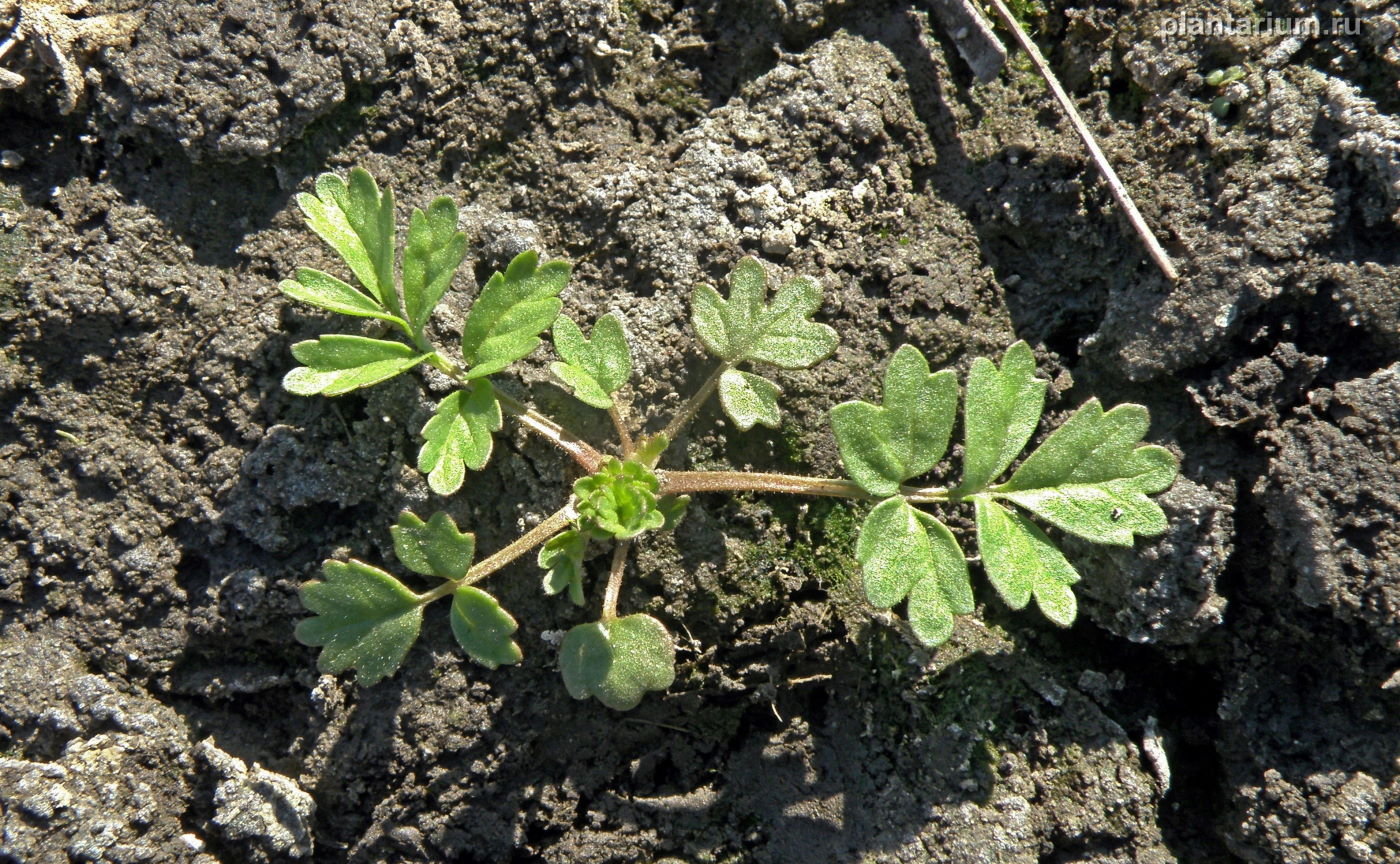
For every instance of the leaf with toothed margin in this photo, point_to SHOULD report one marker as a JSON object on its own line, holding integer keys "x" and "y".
{"x": 338, "y": 363}
{"x": 745, "y": 327}
{"x": 513, "y": 309}
{"x": 618, "y": 661}
{"x": 483, "y": 628}
{"x": 749, "y": 399}
{"x": 458, "y": 437}
{"x": 592, "y": 369}
{"x": 357, "y": 221}
{"x": 433, "y": 548}
{"x": 365, "y": 620}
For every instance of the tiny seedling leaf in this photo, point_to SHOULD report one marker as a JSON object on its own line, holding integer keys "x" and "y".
{"x": 745, "y": 327}
{"x": 483, "y": 628}
{"x": 619, "y": 501}
{"x": 365, "y": 620}
{"x": 511, "y": 312}
{"x": 338, "y": 363}
{"x": 882, "y": 447}
{"x": 328, "y": 292}
{"x": 1002, "y": 410}
{"x": 595, "y": 369}
{"x": 458, "y": 437}
{"x": 618, "y": 661}
{"x": 433, "y": 548}
{"x": 1021, "y": 562}
{"x": 1089, "y": 478}
{"x": 358, "y": 223}
{"x": 905, "y": 552}
{"x": 433, "y": 252}
{"x": 562, "y": 559}
{"x": 749, "y": 399}
{"x": 672, "y": 509}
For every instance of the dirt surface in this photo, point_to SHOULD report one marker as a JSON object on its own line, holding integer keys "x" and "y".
{"x": 1231, "y": 694}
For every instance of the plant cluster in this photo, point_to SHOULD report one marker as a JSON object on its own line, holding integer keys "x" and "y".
{"x": 1091, "y": 477}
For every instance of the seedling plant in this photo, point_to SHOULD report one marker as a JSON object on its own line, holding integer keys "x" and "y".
{"x": 1091, "y": 477}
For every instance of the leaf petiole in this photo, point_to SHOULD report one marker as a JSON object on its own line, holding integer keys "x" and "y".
{"x": 614, "y": 589}
{"x": 688, "y": 411}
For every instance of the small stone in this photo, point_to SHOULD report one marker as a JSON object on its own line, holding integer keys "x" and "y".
{"x": 10, "y": 159}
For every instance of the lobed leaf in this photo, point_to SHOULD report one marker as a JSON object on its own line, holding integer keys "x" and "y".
{"x": 483, "y": 628}
{"x": 744, "y": 327}
{"x": 358, "y": 223}
{"x": 511, "y": 312}
{"x": 749, "y": 399}
{"x": 562, "y": 559}
{"x": 618, "y": 661}
{"x": 328, "y": 292}
{"x": 1003, "y": 407}
{"x": 365, "y": 620}
{"x": 338, "y": 363}
{"x": 882, "y": 447}
{"x": 1021, "y": 562}
{"x": 619, "y": 501}
{"x": 458, "y": 437}
{"x": 433, "y": 548}
{"x": 904, "y": 552}
{"x": 596, "y": 369}
{"x": 433, "y": 252}
{"x": 1089, "y": 478}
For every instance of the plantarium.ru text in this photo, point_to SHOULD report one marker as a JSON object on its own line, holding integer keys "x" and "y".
{"x": 1091, "y": 477}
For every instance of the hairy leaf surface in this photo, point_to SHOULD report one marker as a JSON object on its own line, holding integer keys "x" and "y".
{"x": 433, "y": 252}
{"x": 1022, "y": 563}
{"x": 562, "y": 560}
{"x": 328, "y": 292}
{"x": 617, "y": 662}
{"x": 511, "y": 312}
{"x": 1002, "y": 409}
{"x": 458, "y": 437}
{"x": 433, "y": 548}
{"x": 595, "y": 369}
{"x": 338, "y": 363}
{"x": 882, "y": 447}
{"x": 1091, "y": 479}
{"x": 483, "y": 628}
{"x": 365, "y": 620}
{"x": 745, "y": 327}
{"x": 358, "y": 223}
{"x": 749, "y": 399}
{"x": 904, "y": 552}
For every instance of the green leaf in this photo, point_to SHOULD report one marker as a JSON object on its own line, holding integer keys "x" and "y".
{"x": 365, "y": 620}
{"x": 562, "y": 558}
{"x": 1089, "y": 478}
{"x": 597, "y": 369}
{"x": 749, "y": 399}
{"x": 905, "y": 552}
{"x": 672, "y": 509}
{"x": 1021, "y": 562}
{"x": 326, "y": 291}
{"x": 649, "y": 449}
{"x": 338, "y": 363}
{"x": 511, "y": 312}
{"x": 458, "y": 437}
{"x": 433, "y": 548}
{"x": 619, "y": 661}
{"x": 483, "y": 628}
{"x": 358, "y": 223}
{"x": 431, "y": 256}
{"x": 1002, "y": 410}
{"x": 619, "y": 501}
{"x": 882, "y": 447}
{"x": 744, "y": 327}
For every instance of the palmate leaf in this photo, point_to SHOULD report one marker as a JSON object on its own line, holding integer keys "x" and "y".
{"x": 904, "y": 552}
{"x": 745, "y": 327}
{"x": 338, "y": 363}
{"x": 1022, "y": 562}
{"x": 433, "y": 548}
{"x": 358, "y": 223}
{"x": 618, "y": 661}
{"x": 1002, "y": 409}
{"x": 749, "y": 399}
{"x": 458, "y": 437}
{"x": 1089, "y": 478}
{"x": 882, "y": 447}
{"x": 595, "y": 369}
{"x": 433, "y": 252}
{"x": 483, "y": 628}
{"x": 511, "y": 312}
{"x": 365, "y": 620}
